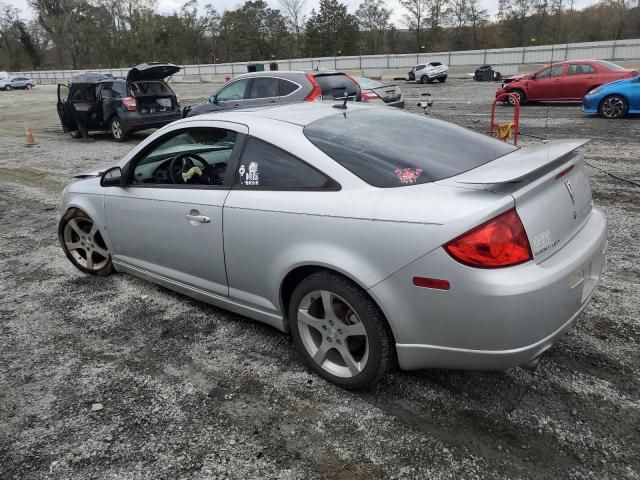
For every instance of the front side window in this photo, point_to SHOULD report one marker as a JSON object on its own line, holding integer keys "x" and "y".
{"x": 234, "y": 91}
{"x": 554, "y": 71}
{"x": 266, "y": 166}
{"x": 264, "y": 87}
{"x": 194, "y": 156}
{"x": 431, "y": 150}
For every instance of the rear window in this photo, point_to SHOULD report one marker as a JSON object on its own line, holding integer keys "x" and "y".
{"x": 367, "y": 83}
{"x": 389, "y": 148}
{"x": 153, "y": 87}
{"x": 610, "y": 66}
{"x": 336, "y": 85}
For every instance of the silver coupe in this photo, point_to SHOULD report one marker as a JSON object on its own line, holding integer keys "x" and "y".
{"x": 369, "y": 234}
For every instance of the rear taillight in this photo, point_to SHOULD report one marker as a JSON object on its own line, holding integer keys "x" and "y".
{"x": 369, "y": 96}
{"x": 316, "y": 91}
{"x": 501, "y": 242}
{"x": 129, "y": 103}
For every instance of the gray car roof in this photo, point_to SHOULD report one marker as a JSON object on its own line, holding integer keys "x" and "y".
{"x": 302, "y": 113}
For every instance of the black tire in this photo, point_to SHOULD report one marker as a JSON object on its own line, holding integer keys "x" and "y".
{"x": 67, "y": 235}
{"x": 75, "y": 134}
{"x": 424, "y": 80}
{"x": 613, "y": 107}
{"x": 521, "y": 95}
{"x": 442, "y": 79}
{"x": 378, "y": 334}
{"x": 117, "y": 130}
{"x": 29, "y": 86}
{"x": 7, "y": 88}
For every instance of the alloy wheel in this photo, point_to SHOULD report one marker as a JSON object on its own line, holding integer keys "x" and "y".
{"x": 116, "y": 129}
{"x": 613, "y": 107}
{"x": 85, "y": 244}
{"x": 333, "y": 334}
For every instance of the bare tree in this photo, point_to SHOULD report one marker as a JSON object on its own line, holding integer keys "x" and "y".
{"x": 416, "y": 12}
{"x": 373, "y": 18}
{"x": 294, "y": 11}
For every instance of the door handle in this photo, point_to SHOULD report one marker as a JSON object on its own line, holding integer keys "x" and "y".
{"x": 194, "y": 216}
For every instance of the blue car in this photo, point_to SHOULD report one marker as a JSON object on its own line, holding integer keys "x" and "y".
{"x": 615, "y": 99}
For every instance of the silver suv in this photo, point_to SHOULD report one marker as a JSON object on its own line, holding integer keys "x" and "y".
{"x": 11, "y": 83}
{"x": 427, "y": 73}
{"x": 277, "y": 87}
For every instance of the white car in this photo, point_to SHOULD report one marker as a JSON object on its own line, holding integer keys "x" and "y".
{"x": 427, "y": 73}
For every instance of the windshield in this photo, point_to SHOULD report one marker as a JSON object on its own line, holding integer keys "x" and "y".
{"x": 389, "y": 148}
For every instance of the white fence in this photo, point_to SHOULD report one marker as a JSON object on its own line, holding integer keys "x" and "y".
{"x": 506, "y": 60}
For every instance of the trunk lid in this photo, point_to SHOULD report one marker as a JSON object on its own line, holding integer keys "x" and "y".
{"x": 550, "y": 187}
{"x": 152, "y": 71}
{"x": 388, "y": 93}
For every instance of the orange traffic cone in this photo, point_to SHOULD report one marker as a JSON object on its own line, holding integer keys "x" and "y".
{"x": 29, "y": 139}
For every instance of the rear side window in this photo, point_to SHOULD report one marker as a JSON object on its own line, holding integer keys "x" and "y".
{"x": 580, "y": 69}
{"x": 336, "y": 85}
{"x": 610, "y": 66}
{"x": 363, "y": 142}
{"x": 264, "y": 87}
{"x": 268, "y": 167}
{"x": 287, "y": 87}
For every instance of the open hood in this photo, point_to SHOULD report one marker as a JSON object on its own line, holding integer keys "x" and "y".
{"x": 152, "y": 71}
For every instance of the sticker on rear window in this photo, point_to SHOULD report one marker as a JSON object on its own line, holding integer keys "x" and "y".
{"x": 408, "y": 175}
{"x": 249, "y": 176}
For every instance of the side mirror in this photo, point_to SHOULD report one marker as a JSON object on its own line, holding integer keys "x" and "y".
{"x": 112, "y": 178}
{"x": 213, "y": 99}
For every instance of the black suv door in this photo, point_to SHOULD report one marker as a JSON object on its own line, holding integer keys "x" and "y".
{"x": 63, "y": 108}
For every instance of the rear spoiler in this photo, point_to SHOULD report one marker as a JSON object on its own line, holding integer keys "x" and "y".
{"x": 515, "y": 166}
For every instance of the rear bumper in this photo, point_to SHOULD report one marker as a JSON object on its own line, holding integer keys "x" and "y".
{"x": 133, "y": 121}
{"x": 492, "y": 319}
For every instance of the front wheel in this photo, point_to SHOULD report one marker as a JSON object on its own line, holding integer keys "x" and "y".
{"x": 425, "y": 80}
{"x": 614, "y": 106}
{"x": 442, "y": 79}
{"x": 83, "y": 244}
{"x": 339, "y": 331}
{"x": 117, "y": 131}
{"x": 75, "y": 134}
{"x": 522, "y": 98}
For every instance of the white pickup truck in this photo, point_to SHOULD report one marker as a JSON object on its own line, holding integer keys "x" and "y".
{"x": 427, "y": 73}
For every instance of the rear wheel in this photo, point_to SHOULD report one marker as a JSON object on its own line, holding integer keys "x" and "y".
{"x": 442, "y": 79}
{"x": 7, "y": 88}
{"x": 614, "y": 106}
{"x": 83, "y": 244}
{"x": 339, "y": 331}
{"x": 29, "y": 86}
{"x": 117, "y": 131}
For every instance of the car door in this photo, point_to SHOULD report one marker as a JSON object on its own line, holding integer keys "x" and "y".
{"x": 547, "y": 84}
{"x": 580, "y": 78}
{"x": 634, "y": 102}
{"x": 262, "y": 91}
{"x": 268, "y": 180}
{"x": 161, "y": 226}
{"x": 63, "y": 108}
{"x": 233, "y": 95}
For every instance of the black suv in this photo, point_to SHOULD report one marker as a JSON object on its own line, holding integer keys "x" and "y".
{"x": 95, "y": 101}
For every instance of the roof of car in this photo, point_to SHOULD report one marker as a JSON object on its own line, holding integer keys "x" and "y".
{"x": 275, "y": 73}
{"x": 302, "y": 113}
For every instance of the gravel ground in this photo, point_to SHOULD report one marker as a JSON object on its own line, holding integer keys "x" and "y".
{"x": 115, "y": 377}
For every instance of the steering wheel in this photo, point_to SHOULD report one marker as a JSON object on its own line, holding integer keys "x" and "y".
{"x": 186, "y": 163}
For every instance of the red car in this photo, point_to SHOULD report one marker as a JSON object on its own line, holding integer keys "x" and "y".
{"x": 570, "y": 80}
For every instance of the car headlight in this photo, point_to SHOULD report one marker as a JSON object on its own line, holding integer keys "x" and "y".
{"x": 593, "y": 92}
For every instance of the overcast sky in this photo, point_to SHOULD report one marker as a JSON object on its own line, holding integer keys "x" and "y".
{"x": 167, "y": 6}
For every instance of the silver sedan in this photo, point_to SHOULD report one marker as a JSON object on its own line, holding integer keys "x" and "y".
{"x": 370, "y": 234}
